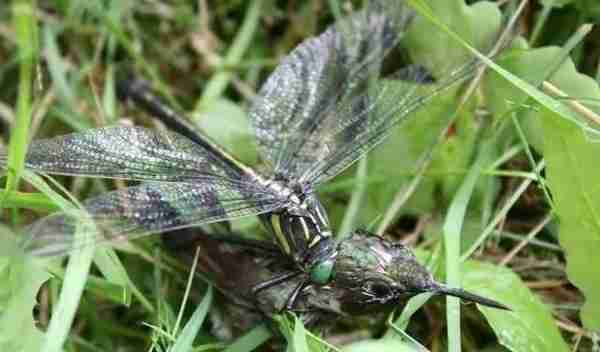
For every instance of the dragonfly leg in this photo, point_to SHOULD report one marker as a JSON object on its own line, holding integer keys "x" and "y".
{"x": 276, "y": 280}
{"x": 291, "y": 301}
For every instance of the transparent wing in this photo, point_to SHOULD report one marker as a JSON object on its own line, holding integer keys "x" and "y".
{"x": 301, "y": 100}
{"x": 370, "y": 117}
{"x": 131, "y": 153}
{"x": 141, "y": 210}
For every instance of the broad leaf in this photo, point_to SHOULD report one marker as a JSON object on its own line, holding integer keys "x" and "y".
{"x": 530, "y": 326}
{"x": 573, "y": 176}
{"x": 21, "y": 280}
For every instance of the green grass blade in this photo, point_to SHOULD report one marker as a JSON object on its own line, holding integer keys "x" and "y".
{"x": 21, "y": 279}
{"x": 218, "y": 83}
{"x": 113, "y": 270}
{"x": 251, "y": 340}
{"x": 452, "y": 239}
{"x": 501, "y": 213}
{"x": 190, "y": 330}
{"x": 75, "y": 279}
{"x": 351, "y": 215}
{"x": 75, "y": 275}
{"x": 540, "y": 97}
{"x": 299, "y": 342}
{"x": 24, "y": 22}
{"x": 529, "y": 326}
{"x": 35, "y": 201}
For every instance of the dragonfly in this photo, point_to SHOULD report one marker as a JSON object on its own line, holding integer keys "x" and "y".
{"x": 371, "y": 272}
{"x": 324, "y": 107}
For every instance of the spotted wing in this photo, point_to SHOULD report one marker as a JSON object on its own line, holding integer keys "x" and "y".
{"x": 130, "y": 153}
{"x": 327, "y": 104}
{"x": 372, "y": 117}
{"x": 300, "y": 102}
{"x": 141, "y": 210}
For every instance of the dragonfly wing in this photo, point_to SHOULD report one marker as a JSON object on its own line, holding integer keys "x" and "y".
{"x": 301, "y": 99}
{"x": 141, "y": 210}
{"x": 131, "y": 153}
{"x": 370, "y": 117}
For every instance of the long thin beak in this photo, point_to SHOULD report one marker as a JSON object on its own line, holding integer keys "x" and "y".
{"x": 468, "y": 296}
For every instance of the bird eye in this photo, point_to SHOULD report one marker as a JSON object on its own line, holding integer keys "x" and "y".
{"x": 379, "y": 289}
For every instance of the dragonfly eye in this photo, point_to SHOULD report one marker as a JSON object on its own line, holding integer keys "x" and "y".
{"x": 322, "y": 272}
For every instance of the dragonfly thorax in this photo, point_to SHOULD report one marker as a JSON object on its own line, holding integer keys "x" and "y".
{"x": 302, "y": 230}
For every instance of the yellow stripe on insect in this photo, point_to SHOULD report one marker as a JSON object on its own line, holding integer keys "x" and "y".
{"x": 315, "y": 240}
{"x": 275, "y": 222}
{"x": 305, "y": 229}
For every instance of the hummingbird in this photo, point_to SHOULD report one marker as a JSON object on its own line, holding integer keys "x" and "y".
{"x": 373, "y": 273}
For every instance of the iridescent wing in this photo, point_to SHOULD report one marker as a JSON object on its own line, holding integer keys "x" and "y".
{"x": 130, "y": 153}
{"x": 141, "y": 210}
{"x": 326, "y": 105}
{"x": 372, "y": 117}
{"x": 299, "y": 102}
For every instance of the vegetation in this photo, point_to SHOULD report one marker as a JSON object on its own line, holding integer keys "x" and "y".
{"x": 496, "y": 187}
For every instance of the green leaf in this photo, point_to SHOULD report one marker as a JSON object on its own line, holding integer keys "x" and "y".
{"x": 111, "y": 267}
{"x": 529, "y": 326}
{"x": 546, "y": 101}
{"x": 381, "y": 345}
{"x": 395, "y": 159}
{"x": 25, "y": 28}
{"x": 453, "y": 225}
{"x": 531, "y": 65}
{"x": 555, "y": 3}
{"x": 570, "y": 157}
{"x": 225, "y": 122}
{"x": 589, "y": 8}
{"x": 37, "y": 201}
{"x": 190, "y": 330}
{"x": 76, "y": 274}
{"x": 573, "y": 176}
{"x": 243, "y": 40}
{"x": 251, "y": 340}
{"x": 21, "y": 280}
{"x": 299, "y": 338}
{"x": 477, "y": 24}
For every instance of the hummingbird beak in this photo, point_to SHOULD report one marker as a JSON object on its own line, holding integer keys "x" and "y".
{"x": 471, "y": 297}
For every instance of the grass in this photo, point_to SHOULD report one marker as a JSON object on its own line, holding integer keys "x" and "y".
{"x": 478, "y": 194}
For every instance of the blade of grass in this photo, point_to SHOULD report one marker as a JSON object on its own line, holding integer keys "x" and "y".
{"x": 425, "y": 160}
{"x": 190, "y": 330}
{"x": 113, "y": 270}
{"x": 24, "y": 22}
{"x": 299, "y": 338}
{"x": 541, "y": 21}
{"x": 57, "y": 67}
{"x": 35, "y": 201}
{"x": 75, "y": 278}
{"x": 529, "y": 153}
{"x": 356, "y": 199}
{"x": 76, "y": 273}
{"x": 501, "y": 213}
{"x": 452, "y": 229}
{"x": 321, "y": 342}
{"x": 186, "y": 295}
{"x": 251, "y": 340}
{"x": 218, "y": 83}
{"x": 540, "y": 97}
{"x": 398, "y": 327}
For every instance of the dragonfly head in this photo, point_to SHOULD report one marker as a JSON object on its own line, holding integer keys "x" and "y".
{"x": 374, "y": 273}
{"x": 320, "y": 261}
